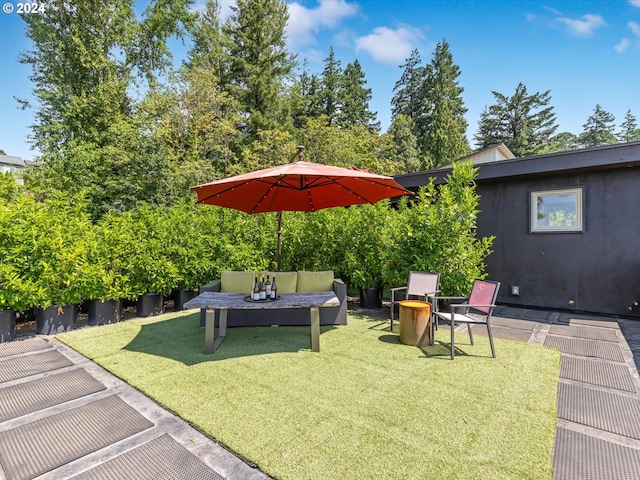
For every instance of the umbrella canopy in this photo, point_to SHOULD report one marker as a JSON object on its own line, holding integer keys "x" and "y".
{"x": 300, "y": 186}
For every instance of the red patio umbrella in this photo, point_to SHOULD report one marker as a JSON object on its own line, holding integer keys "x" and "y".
{"x": 299, "y": 186}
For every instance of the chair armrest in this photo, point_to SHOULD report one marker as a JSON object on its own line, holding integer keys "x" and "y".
{"x": 394, "y": 291}
{"x": 397, "y": 288}
{"x": 468, "y": 305}
{"x": 450, "y": 298}
{"x": 340, "y": 289}
{"x": 211, "y": 286}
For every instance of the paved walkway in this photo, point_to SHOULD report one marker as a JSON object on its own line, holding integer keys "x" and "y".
{"x": 64, "y": 417}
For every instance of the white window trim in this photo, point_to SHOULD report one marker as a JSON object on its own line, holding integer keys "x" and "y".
{"x": 533, "y": 215}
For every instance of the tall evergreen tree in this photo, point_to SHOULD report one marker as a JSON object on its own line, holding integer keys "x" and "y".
{"x": 331, "y": 83}
{"x": 403, "y": 145}
{"x": 210, "y": 45}
{"x": 408, "y": 91}
{"x": 598, "y": 130}
{"x": 524, "y": 123}
{"x": 260, "y": 62}
{"x": 306, "y": 100}
{"x": 629, "y": 130}
{"x": 444, "y": 124}
{"x": 355, "y": 98}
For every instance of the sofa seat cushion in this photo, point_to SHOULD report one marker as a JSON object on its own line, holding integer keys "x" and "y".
{"x": 286, "y": 281}
{"x": 315, "y": 281}
{"x": 236, "y": 282}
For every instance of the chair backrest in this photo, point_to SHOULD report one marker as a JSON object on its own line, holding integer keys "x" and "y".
{"x": 483, "y": 292}
{"x": 420, "y": 283}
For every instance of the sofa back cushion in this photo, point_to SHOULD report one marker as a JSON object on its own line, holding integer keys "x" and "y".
{"x": 286, "y": 281}
{"x": 236, "y": 282}
{"x": 315, "y": 281}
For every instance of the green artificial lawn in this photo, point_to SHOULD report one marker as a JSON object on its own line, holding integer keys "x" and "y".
{"x": 366, "y": 406}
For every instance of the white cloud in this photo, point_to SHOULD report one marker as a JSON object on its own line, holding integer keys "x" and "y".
{"x": 622, "y": 46}
{"x": 635, "y": 28}
{"x": 389, "y": 46}
{"x": 305, "y": 23}
{"x": 635, "y": 3}
{"x": 585, "y": 25}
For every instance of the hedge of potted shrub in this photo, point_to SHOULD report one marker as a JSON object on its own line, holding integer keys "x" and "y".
{"x": 105, "y": 283}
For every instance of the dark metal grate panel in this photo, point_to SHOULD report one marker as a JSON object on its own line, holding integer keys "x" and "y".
{"x": 20, "y": 367}
{"x": 513, "y": 323}
{"x": 592, "y": 333}
{"x": 581, "y": 457}
{"x": 16, "y": 347}
{"x": 29, "y": 397}
{"x": 607, "y": 411}
{"x": 604, "y": 374}
{"x": 159, "y": 459}
{"x": 604, "y": 323}
{"x": 585, "y": 347}
{"x": 35, "y": 448}
{"x": 514, "y": 334}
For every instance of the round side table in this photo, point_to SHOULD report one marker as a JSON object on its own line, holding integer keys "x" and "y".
{"x": 415, "y": 323}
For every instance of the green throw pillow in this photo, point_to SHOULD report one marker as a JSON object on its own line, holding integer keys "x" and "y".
{"x": 236, "y": 282}
{"x": 286, "y": 281}
{"x": 315, "y": 281}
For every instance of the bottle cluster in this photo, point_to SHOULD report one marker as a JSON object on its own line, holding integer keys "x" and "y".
{"x": 264, "y": 290}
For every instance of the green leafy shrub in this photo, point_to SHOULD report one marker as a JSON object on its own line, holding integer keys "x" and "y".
{"x": 50, "y": 248}
{"x": 437, "y": 233}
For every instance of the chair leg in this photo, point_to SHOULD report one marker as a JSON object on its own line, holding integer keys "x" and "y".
{"x": 493, "y": 349}
{"x": 470, "y": 333}
{"x": 453, "y": 330}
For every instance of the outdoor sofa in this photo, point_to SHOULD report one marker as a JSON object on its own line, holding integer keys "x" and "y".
{"x": 288, "y": 282}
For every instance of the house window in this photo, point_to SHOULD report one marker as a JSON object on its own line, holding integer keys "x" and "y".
{"x": 556, "y": 210}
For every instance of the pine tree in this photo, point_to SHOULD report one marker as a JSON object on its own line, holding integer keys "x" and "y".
{"x": 524, "y": 123}
{"x": 354, "y": 99}
{"x": 598, "y": 130}
{"x": 305, "y": 97}
{"x": 331, "y": 83}
{"x": 210, "y": 45}
{"x": 260, "y": 63}
{"x": 629, "y": 130}
{"x": 408, "y": 91}
{"x": 444, "y": 124}
{"x": 403, "y": 145}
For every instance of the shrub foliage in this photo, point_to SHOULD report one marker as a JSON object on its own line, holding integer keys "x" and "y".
{"x": 52, "y": 253}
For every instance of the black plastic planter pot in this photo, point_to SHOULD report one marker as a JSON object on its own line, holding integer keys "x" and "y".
{"x": 150, "y": 305}
{"x": 180, "y": 297}
{"x": 371, "y": 297}
{"x": 101, "y": 313}
{"x": 444, "y": 304}
{"x": 56, "y": 319}
{"x": 7, "y": 325}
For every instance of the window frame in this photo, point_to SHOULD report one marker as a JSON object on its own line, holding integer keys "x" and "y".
{"x": 533, "y": 210}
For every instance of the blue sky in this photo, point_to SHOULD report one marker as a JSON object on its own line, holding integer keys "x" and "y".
{"x": 584, "y": 52}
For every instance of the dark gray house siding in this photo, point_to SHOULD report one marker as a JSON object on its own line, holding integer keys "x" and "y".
{"x": 595, "y": 270}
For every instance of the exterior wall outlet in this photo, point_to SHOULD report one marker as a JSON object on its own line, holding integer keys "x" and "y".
{"x": 515, "y": 290}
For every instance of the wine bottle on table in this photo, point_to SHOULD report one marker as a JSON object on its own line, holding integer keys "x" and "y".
{"x": 263, "y": 289}
{"x": 274, "y": 289}
{"x": 256, "y": 290}
{"x": 268, "y": 287}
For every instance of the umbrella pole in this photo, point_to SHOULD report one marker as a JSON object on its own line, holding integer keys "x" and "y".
{"x": 279, "y": 237}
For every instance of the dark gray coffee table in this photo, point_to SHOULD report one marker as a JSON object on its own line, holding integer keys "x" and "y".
{"x": 224, "y": 302}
